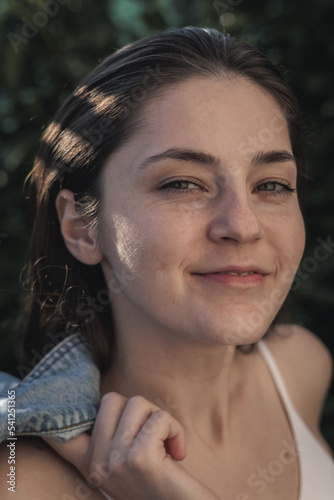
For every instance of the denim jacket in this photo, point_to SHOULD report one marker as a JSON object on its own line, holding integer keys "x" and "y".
{"x": 59, "y": 398}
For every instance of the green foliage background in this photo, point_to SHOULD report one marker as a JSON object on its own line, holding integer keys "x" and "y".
{"x": 39, "y": 71}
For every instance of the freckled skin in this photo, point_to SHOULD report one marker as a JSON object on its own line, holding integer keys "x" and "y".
{"x": 161, "y": 238}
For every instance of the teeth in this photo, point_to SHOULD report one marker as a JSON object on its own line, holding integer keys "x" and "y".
{"x": 240, "y": 274}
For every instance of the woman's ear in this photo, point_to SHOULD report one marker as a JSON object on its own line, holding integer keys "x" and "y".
{"x": 80, "y": 239}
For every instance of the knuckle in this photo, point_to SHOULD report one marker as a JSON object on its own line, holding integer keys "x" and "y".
{"x": 101, "y": 468}
{"x": 137, "y": 400}
{"x": 160, "y": 415}
{"x": 95, "y": 473}
{"x": 116, "y": 464}
{"x": 136, "y": 459}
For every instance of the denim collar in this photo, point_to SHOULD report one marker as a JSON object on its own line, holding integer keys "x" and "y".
{"x": 59, "y": 398}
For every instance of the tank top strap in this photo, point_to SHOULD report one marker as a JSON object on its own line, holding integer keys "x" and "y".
{"x": 277, "y": 376}
{"x": 316, "y": 466}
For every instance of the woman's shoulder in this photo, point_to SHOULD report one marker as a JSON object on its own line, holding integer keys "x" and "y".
{"x": 41, "y": 473}
{"x": 306, "y": 365}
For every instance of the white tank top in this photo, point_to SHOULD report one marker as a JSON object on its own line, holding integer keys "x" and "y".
{"x": 316, "y": 466}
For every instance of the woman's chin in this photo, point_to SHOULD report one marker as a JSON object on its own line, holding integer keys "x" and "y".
{"x": 239, "y": 329}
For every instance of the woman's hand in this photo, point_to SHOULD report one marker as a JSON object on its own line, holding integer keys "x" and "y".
{"x": 134, "y": 452}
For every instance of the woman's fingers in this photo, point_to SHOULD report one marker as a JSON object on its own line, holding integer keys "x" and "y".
{"x": 136, "y": 412}
{"x": 133, "y": 445}
{"x": 79, "y": 450}
{"x": 107, "y": 420}
{"x": 143, "y": 421}
{"x": 163, "y": 434}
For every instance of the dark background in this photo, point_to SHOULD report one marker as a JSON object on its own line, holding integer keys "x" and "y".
{"x": 48, "y": 46}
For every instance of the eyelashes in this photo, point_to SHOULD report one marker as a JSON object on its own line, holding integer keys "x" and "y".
{"x": 270, "y": 186}
{"x": 286, "y": 188}
{"x": 166, "y": 187}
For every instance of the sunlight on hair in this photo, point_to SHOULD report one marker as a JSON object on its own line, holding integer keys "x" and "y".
{"x": 101, "y": 102}
{"x": 51, "y": 133}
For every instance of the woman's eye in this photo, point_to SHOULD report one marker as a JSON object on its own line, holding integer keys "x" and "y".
{"x": 179, "y": 186}
{"x": 276, "y": 187}
{"x": 188, "y": 187}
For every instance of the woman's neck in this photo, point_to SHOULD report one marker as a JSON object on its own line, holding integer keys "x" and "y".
{"x": 198, "y": 383}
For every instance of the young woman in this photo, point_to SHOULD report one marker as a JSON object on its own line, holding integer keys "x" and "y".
{"x": 167, "y": 234}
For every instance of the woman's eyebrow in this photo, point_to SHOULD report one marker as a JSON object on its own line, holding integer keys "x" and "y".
{"x": 263, "y": 157}
{"x": 207, "y": 159}
{"x": 190, "y": 155}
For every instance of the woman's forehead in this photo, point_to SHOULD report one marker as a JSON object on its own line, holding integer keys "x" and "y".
{"x": 231, "y": 117}
{"x": 212, "y": 96}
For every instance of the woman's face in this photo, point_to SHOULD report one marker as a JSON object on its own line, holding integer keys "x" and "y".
{"x": 205, "y": 187}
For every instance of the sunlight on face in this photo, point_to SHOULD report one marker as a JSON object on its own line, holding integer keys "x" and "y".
{"x": 206, "y": 187}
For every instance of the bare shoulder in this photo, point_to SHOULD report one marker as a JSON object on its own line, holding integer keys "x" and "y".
{"x": 303, "y": 352}
{"x": 41, "y": 473}
{"x": 306, "y": 365}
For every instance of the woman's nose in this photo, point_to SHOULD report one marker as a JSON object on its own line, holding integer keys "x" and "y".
{"x": 236, "y": 218}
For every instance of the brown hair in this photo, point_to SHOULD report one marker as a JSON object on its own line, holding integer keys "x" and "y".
{"x": 100, "y": 115}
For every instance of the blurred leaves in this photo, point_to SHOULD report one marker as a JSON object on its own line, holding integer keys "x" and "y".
{"x": 41, "y": 65}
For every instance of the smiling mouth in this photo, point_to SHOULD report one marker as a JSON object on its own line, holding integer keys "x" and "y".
{"x": 237, "y": 278}
{"x": 235, "y": 270}
{"x": 231, "y": 273}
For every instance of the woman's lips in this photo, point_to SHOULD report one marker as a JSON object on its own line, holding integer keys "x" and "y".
{"x": 250, "y": 280}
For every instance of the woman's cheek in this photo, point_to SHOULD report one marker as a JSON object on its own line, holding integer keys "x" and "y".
{"x": 299, "y": 238}
{"x": 124, "y": 246}
{"x": 141, "y": 245}
{"x": 293, "y": 244}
